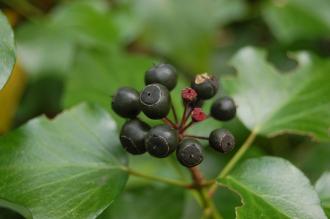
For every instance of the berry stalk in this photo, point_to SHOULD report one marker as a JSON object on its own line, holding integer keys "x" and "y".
{"x": 185, "y": 109}
{"x": 197, "y": 137}
{"x": 183, "y": 129}
{"x": 169, "y": 122}
{"x": 175, "y": 115}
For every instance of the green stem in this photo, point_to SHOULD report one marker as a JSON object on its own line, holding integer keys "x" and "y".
{"x": 210, "y": 209}
{"x": 207, "y": 202}
{"x": 159, "y": 179}
{"x": 234, "y": 160}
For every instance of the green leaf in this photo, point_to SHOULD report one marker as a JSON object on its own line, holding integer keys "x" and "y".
{"x": 89, "y": 22}
{"x": 273, "y": 188}
{"x": 273, "y": 103}
{"x": 322, "y": 187}
{"x": 7, "y": 50}
{"x": 181, "y": 30}
{"x": 148, "y": 203}
{"x": 44, "y": 48}
{"x": 49, "y": 45}
{"x": 226, "y": 201}
{"x": 298, "y": 19}
{"x": 69, "y": 167}
{"x": 312, "y": 159}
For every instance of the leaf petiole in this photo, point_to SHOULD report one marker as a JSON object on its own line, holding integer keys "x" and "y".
{"x": 155, "y": 178}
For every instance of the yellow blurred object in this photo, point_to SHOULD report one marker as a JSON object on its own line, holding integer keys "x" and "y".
{"x": 12, "y": 16}
{"x": 10, "y": 97}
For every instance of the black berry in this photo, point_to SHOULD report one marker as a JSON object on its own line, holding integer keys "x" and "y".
{"x": 126, "y": 102}
{"x": 222, "y": 140}
{"x": 132, "y": 136}
{"x": 161, "y": 141}
{"x": 223, "y": 109}
{"x": 205, "y": 85}
{"x": 164, "y": 74}
{"x": 189, "y": 153}
{"x": 155, "y": 101}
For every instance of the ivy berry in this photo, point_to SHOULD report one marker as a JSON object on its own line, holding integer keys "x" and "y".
{"x": 132, "y": 136}
{"x": 189, "y": 152}
{"x": 164, "y": 74}
{"x": 223, "y": 109}
{"x": 155, "y": 101}
{"x": 161, "y": 141}
{"x": 205, "y": 85}
{"x": 126, "y": 102}
{"x": 222, "y": 140}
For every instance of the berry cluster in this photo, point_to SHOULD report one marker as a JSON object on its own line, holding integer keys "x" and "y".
{"x": 154, "y": 101}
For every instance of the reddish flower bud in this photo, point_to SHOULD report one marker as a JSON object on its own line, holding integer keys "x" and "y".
{"x": 188, "y": 94}
{"x": 198, "y": 115}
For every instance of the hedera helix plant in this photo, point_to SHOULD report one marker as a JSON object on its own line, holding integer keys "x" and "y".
{"x": 73, "y": 166}
{"x": 161, "y": 141}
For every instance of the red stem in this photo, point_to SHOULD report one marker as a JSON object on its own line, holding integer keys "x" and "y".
{"x": 183, "y": 129}
{"x": 197, "y": 176}
{"x": 196, "y": 136}
{"x": 186, "y": 115}
{"x": 168, "y": 122}
{"x": 183, "y": 115}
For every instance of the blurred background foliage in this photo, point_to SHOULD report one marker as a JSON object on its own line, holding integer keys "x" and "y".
{"x": 74, "y": 51}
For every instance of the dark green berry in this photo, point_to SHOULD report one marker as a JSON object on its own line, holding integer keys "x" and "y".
{"x": 222, "y": 140}
{"x": 223, "y": 109}
{"x": 132, "y": 136}
{"x": 161, "y": 141}
{"x": 164, "y": 74}
{"x": 189, "y": 152}
{"x": 155, "y": 101}
{"x": 205, "y": 85}
{"x": 126, "y": 102}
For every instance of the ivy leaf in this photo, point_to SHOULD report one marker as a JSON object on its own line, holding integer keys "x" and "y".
{"x": 273, "y": 103}
{"x": 180, "y": 30}
{"x": 273, "y": 188}
{"x": 144, "y": 202}
{"x": 298, "y": 19}
{"x": 69, "y": 167}
{"x": 7, "y": 50}
{"x": 69, "y": 26}
{"x": 34, "y": 43}
{"x": 322, "y": 186}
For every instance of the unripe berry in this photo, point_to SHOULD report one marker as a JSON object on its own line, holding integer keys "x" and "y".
{"x": 188, "y": 95}
{"x": 155, "y": 101}
{"x": 205, "y": 85}
{"x": 197, "y": 115}
{"x": 223, "y": 109}
{"x": 126, "y": 102}
{"x": 222, "y": 140}
{"x": 161, "y": 141}
{"x": 132, "y": 136}
{"x": 189, "y": 152}
{"x": 164, "y": 74}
